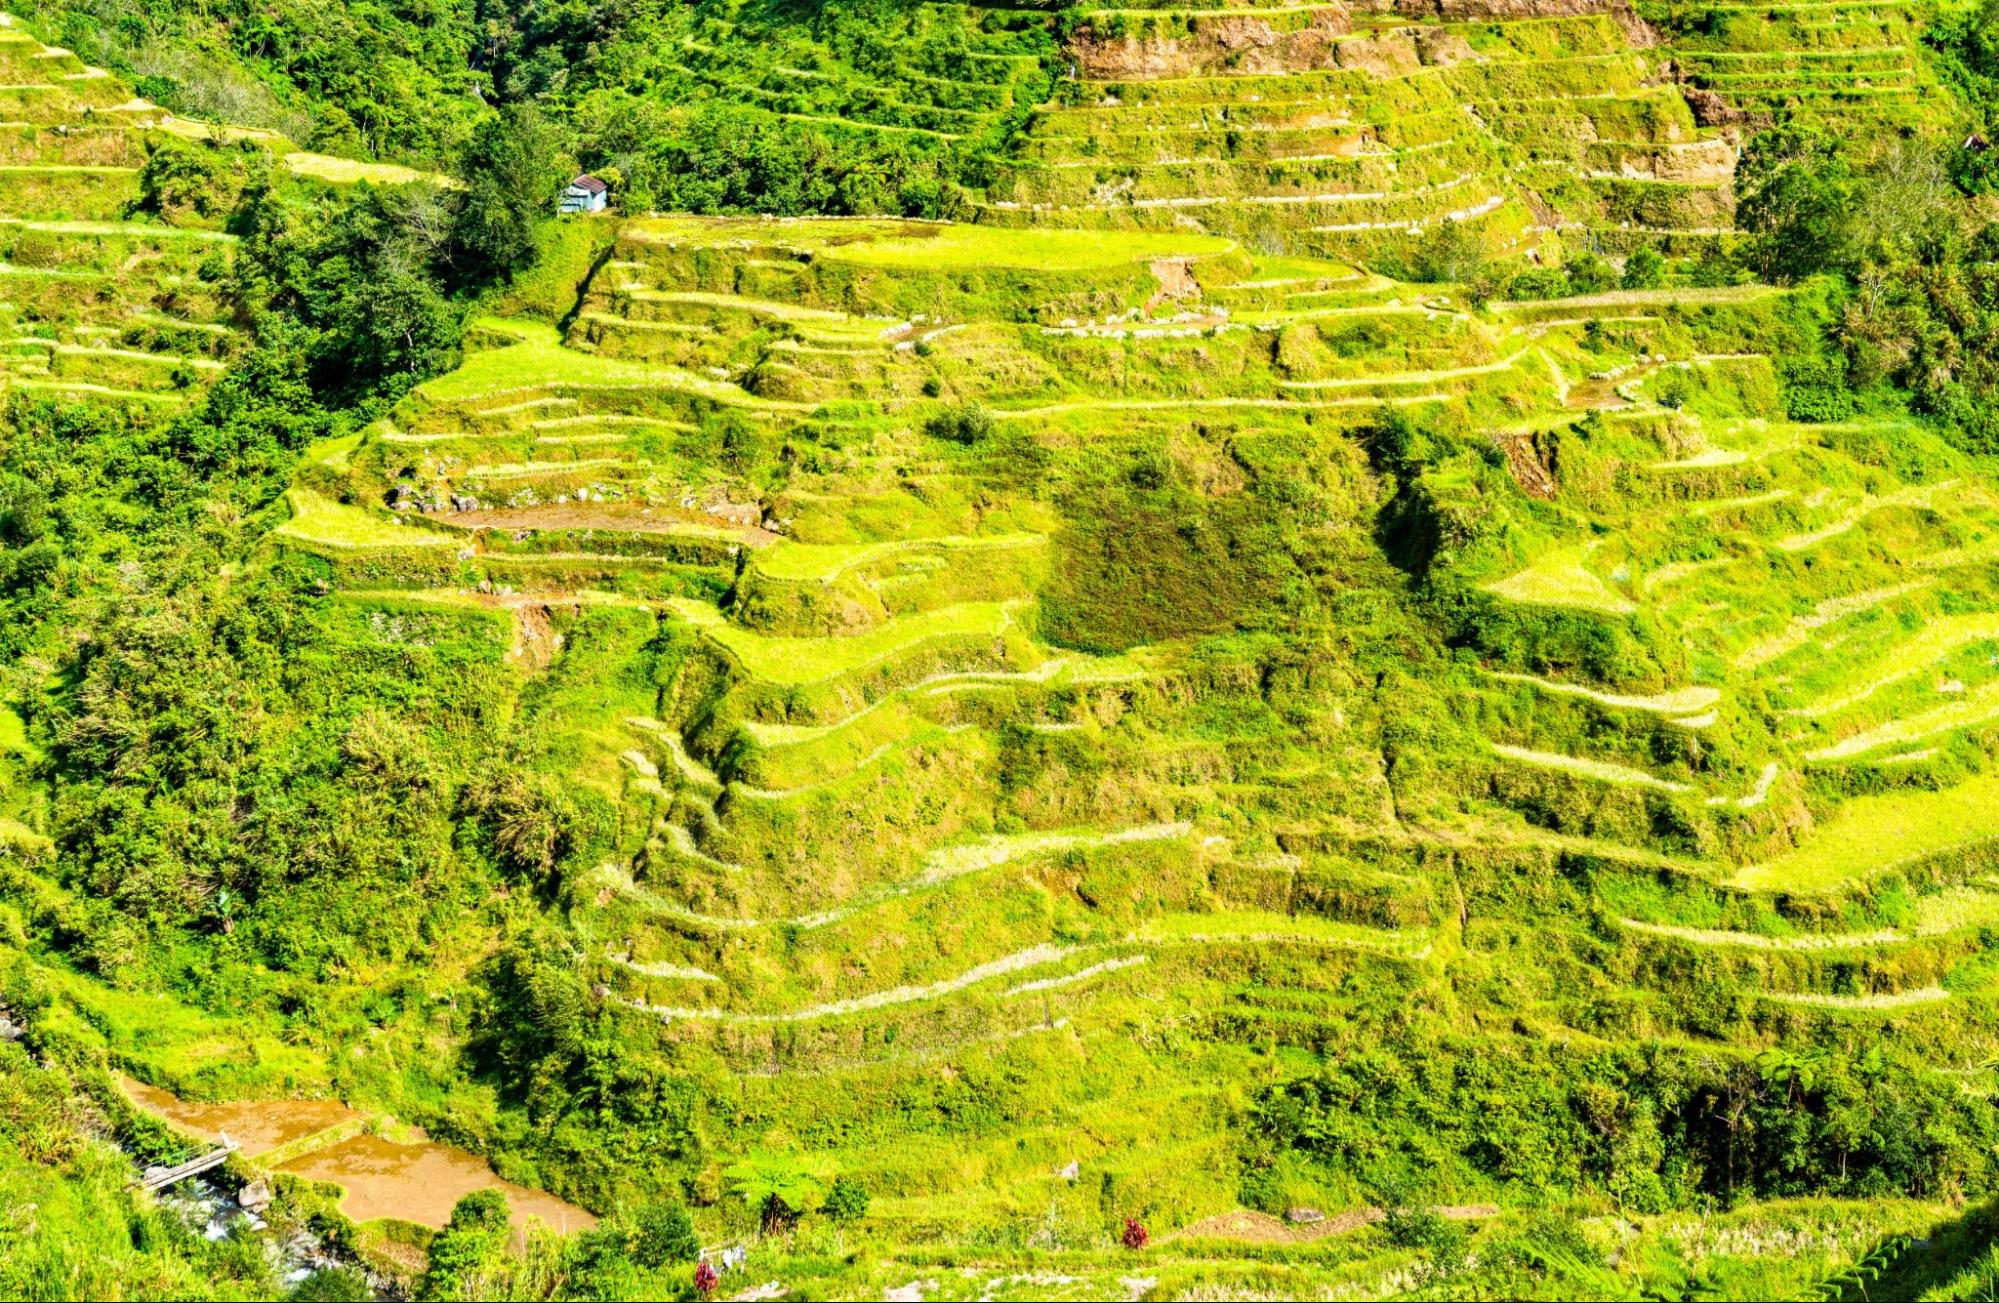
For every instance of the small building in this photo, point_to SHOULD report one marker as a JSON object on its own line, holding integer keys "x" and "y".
{"x": 586, "y": 194}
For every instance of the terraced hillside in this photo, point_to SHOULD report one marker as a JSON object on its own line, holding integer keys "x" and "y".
{"x": 1341, "y": 130}
{"x": 939, "y": 74}
{"x": 1856, "y": 65}
{"x": 990, "y": 653}
{"x": 1121, "y": 747}
{"x": 110, "y": 297}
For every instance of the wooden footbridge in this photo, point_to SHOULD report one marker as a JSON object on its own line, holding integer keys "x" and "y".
{"x": 159, "y": 1178}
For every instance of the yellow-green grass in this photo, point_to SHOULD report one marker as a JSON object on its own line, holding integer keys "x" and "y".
{"x": 989, "y": 852}
{"x": 798, "y": 661}
{"x": 149, "y": 230}
{"x": 69, "y": 169}
{"x": 1600, "y": 770}
{"x": 137, "y": 355}
{"x": 1875, "y": 832}
{"x": 825, "y": 562}
{"x": 1884, "y": 1000}
{"x": 516, "y": 470}
{"x": 1679, "y": 701}
{"x": 319, "y": 519}
{"x": 1068, "y": 668}
{"x": 1560, "y": 579}
{"x": 792, "y": 312}
{"x": 539, "y": 361}
{"x": 1954, "y": 909}
{"x": 17, "y": 834}
{"x": 1264, "y": 926}
{"x": 222, "y": 133}
{"x": 108, "y": 393}
{"x": 13, "y": 733}
{"x": 53, "y": 273}
{"x": 1680, "y": 297}
{"x": 1279, "y": 270}
{"x": 195, "y": 1054}
{"x": 336, "y": 453}
{"x": 1978, "y": 706}
{"x": 350, "y": 171}
{"x": 1798, "y": 631}
{"x": 1916, "y": 495}
{"x": 935, "y": 246}
{"x": 1033, "y": 957}
{"x": 1724, "y": 939}
{"x": 1929, "y": 645}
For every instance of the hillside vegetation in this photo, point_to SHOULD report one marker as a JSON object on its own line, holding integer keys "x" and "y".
{"x": 1182, "y": 651}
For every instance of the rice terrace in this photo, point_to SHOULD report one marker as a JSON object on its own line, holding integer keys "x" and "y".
{"x": 1209, "y": 649}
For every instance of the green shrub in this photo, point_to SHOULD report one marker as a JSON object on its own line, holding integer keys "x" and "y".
{"x": 1814, "y": 387}
{"x": 663, "y": 1234}
{"x": 1645, "y": 269}
{"x": 846, "y": 1200}
{"x": 1449, "y": 251}
{"x": 968, "y": 424}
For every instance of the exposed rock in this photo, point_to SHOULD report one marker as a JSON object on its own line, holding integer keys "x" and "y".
{"x": 256, "y": 1196}
{"x": 1303, "y": 1216}
{"x": 1440, "y": 48}
{"x": 1458, "y": 11}
{"x": 1386, "y": 56}
{"x": 1709, "y": 108}
{"x": 736, "y": 513}
{"x": 1070, "y": 1170}
{"x": 1232, "y": 43}
{"x": 1706, "y": 161}
{"x": 1176, "y": 281}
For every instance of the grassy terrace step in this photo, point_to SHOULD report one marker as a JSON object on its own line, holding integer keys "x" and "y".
{"x": 537, "y": 366}
{"x": 1260, "y": 180}
{"x": 804, "y": 662}
{"x": 320, "y": 521}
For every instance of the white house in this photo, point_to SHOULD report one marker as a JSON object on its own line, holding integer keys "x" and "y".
{"x": 586, "y": 194}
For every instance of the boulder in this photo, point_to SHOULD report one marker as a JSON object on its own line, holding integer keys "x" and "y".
{"x": 256, "y": 1196}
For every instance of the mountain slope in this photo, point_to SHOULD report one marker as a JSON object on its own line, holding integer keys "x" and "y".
{"x": 1348, "y": 677}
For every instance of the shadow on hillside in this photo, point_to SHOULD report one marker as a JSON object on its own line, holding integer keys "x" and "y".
{"x": 1958, "y": 1259}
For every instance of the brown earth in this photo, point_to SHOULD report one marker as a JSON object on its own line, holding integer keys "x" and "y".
{"x": 1229, "y": 43}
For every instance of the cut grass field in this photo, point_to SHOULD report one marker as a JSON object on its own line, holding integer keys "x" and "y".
{"x": 1929, "y": 645}
{"x": 1601, "y": 771}
{"x": 317, "y": 519}
{"x": 1871, "y": 834}
{"x": 1978, "y": 706}
{"x": 540, "y": 361}
{"x": 927, "y": 246}
{"x": 814, "y": 660}
{"x": 1679, "y": 701}
{"x": 825, "y": 562}
{"x": 1561, "y": 579}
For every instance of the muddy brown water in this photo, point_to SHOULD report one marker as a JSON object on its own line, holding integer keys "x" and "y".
{"x": 416, "y": 1182}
